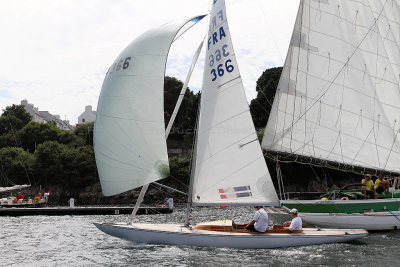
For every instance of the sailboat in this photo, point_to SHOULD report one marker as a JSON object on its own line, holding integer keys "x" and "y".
{"x": 229, "y": 168}
{"x": 337, "y": 104}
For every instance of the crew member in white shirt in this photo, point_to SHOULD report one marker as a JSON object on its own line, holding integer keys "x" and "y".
{"x": 260, "y": 221}
{"x": 296, "y": 223}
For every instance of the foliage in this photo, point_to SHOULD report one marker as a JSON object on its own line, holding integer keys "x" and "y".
{"x": 187, "y": 114}
{"x": 266, "y": 87}
{"x": 71, "y": 139}
{"x": 9, "y": 140}
{"x": 260, "y": 134}
{"x": 15, "y": 165}
{"x": 179, "y": 169}
{"x": 85, "y": 131}
{"x": 35, "y": 133}
{"x": 61, "y": 164}
{"x": 13, "y": 118}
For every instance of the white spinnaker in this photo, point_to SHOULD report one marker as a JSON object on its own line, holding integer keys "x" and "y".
{"x": 338, "y": 96}
{"x": 129, "y": 138}
{"x": 229, "y": 166}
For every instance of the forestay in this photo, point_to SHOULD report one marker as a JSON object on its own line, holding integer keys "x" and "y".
{"x": 229, "y": 166}
{"x": 338, "y": 96}
{"x": 129, "y": 137}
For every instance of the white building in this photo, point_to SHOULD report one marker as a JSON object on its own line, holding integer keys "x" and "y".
{"x": 87, "y": 116}
{"x": 45, "y": 116}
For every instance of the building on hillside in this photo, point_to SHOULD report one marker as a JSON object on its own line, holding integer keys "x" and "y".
{"x": 45, "y": 116}
{"x": 63, "y": 125}
{"x": 87, "y": 116}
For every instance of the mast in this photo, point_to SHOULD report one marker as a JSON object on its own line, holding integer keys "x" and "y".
{"x": 189, "y": 203}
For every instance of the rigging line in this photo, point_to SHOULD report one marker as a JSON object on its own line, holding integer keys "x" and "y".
{"x": 351, "y": 137}
{"x": 385, "y": 38}
{"x": 387, "y": 125}
{"x": 320, "y": 165}
{"x": 343, "y": 19}
{"x": 330, "y": 179}
{"x": 18, "y": 145}
{"x": 375, "y": 93}
{"x": 391, "y": 149}
{"x": 336, "y": 76}
{"x": 395, "y": 83}
{"x": 288, "y": 61}
{"x": 261, "y": 106}
{"x": 270, "y": 31}
{"x": 308, "y": 66}
{"x": 261, "y": 91}
{"x": 297, "y": 72}
{"x": 173, "y": 178}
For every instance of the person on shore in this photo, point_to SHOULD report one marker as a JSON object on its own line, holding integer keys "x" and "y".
{"x": 36, "y": 200}
{"x": 20, "y": 196}
{"x": 165, "y": 204}
{"x": 368, "y": 187}
{"x": 260, "y": 221}
{"x": 46, "y": 196}
{"x": 381, "y": 185}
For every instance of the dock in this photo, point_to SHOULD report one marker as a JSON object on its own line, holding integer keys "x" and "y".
{"x": 61, "y": 211}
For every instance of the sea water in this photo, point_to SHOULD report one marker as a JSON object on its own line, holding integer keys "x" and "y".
{"x": 75, "y": 241}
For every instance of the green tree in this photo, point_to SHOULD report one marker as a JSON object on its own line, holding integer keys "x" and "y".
{"x": 35, "y": 133}
{"x": 187, "y": 114}
{"x": 9, "y": 140}
{"x": 85, "y": 131}
{"x": 84, "y": 163}
{"x": 260, "y": 107}
{"x": 48, "y": 162}
{"x": 71, "y": 139}
{"x": 180, "y": 168}
{"x": 172, "y": 88}
{"x": 59, "y": 164}
{"x": 14, "y": 118}
{"x": 15, "y": 165}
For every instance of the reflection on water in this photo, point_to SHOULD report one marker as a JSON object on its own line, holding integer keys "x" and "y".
{"x": 75, "y": 241}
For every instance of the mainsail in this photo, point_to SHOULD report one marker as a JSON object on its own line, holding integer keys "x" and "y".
{"x": 229, "y": 165}
{"x": 338, "y": 96}
{"x": 129, "y": 137}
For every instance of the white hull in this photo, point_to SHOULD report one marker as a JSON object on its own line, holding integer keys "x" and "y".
{"x": 376, "y": 221}
{"x": 178, "y": 235}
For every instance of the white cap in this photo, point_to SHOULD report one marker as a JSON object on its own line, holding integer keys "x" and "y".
{"x": 293, "y": 211}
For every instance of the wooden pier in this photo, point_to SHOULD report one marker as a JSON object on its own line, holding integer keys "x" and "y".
{"x": 61, "y": 211}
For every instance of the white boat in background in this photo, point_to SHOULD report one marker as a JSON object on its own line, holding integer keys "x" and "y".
{"x": 228, "y": 166}
{"x": 337, "y": 104}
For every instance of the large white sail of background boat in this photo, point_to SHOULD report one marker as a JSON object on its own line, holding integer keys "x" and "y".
{"x": 338, "y": 96}
{"x": 129, "y": 135}
{"x": 229, "y": 165}
{"x": 14, "y": 187}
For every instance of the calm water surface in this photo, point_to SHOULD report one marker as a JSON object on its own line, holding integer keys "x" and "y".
{"x": 75, "y": 241}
